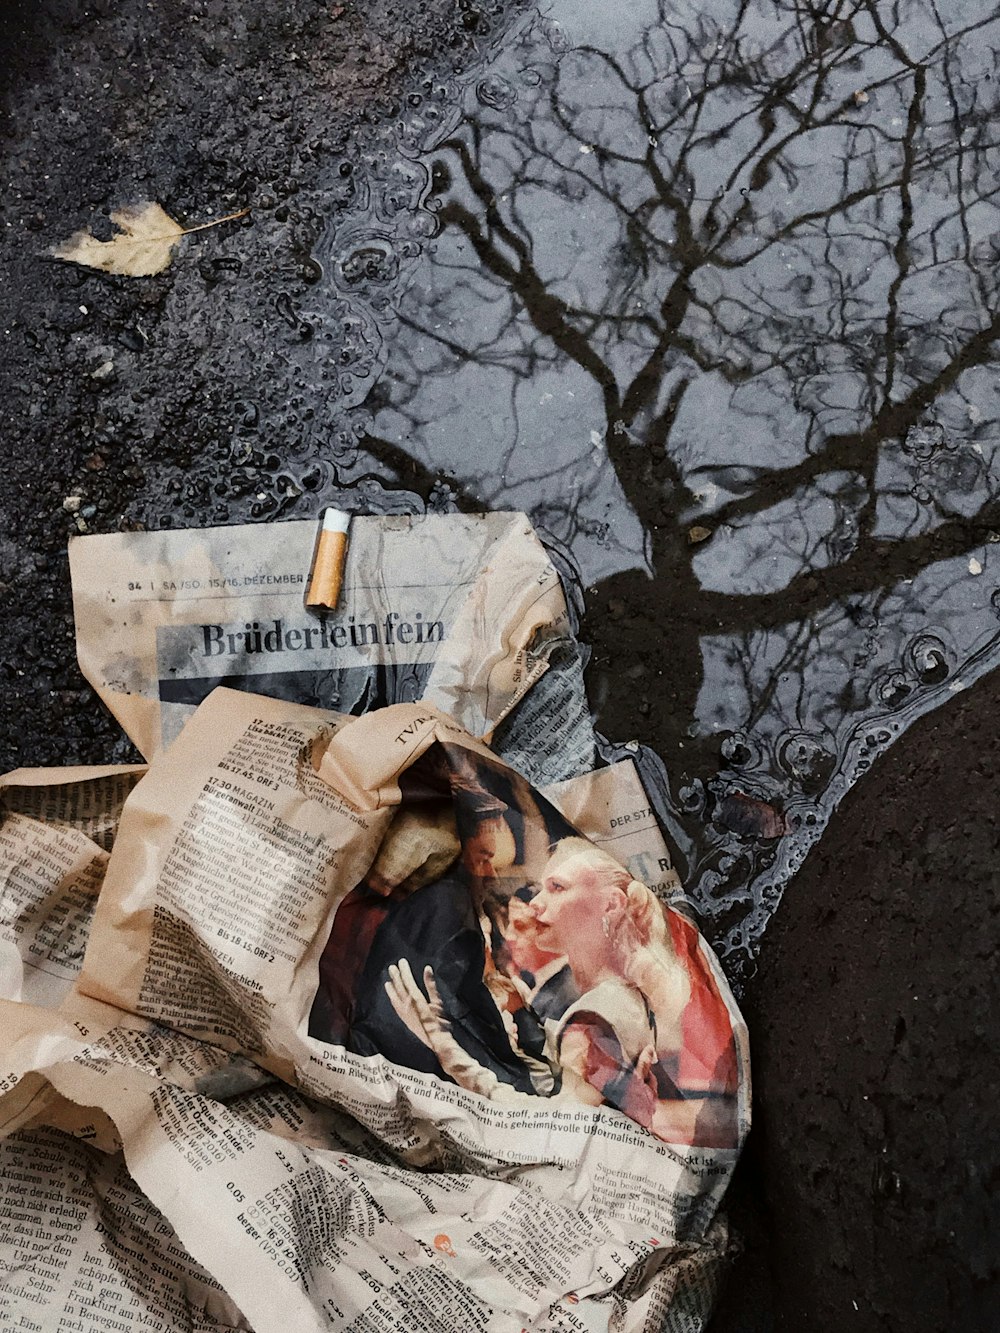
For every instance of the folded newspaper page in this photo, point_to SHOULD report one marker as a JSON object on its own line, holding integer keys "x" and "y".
{"x": 55, "y": 836}
{"x": 369, "y": 1034}
{"x": 464, "y": 611}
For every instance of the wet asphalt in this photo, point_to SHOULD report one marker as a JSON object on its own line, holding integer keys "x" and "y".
{"x": 286, "y": 361}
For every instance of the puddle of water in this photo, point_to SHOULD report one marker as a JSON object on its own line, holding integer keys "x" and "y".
{"x": 736, "y": 273}
{"x": 648, "y": 271}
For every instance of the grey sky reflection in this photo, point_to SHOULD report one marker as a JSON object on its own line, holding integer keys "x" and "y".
{"x": 735, "y": 270}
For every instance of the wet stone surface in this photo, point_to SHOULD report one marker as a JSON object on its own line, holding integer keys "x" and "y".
{"x": 709, "y": 290}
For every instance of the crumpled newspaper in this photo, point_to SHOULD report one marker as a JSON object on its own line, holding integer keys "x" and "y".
{"x": 343, "y": 1023}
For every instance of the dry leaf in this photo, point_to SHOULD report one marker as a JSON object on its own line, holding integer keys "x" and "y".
{"x": 749, "y": 817}
{"x": 146, "y": 240}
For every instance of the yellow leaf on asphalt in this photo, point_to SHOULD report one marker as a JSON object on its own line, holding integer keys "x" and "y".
{"x": 145, "y": 243}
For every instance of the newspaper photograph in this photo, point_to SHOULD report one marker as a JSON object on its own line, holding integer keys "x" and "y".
{"x": 569, "y": 978}
{"x": 369, "y": 1034}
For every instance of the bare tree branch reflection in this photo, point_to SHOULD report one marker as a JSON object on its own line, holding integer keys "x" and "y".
{"x": 769, "y": 243}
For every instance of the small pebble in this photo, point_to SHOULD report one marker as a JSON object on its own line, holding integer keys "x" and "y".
{"x": 72, "y": 503}
{"x": 698, "y": 534}
{"x": 860, "y": 97}
{"x": 974, "y": 566}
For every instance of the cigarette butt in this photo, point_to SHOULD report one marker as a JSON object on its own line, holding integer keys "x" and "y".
{"x": 328, "y": 562}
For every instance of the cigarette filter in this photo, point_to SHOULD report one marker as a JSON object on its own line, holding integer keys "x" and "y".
{"x": 328, "y": 562}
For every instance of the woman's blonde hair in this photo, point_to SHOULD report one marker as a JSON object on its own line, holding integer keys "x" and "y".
{"x": 637, "y": 926}
{"x": 640, "y": 909}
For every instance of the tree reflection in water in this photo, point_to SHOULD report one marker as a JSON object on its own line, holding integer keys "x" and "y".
{"x": 734, "y": 272}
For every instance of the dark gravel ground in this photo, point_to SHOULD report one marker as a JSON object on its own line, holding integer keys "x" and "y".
{"x": 875, "y": 1161}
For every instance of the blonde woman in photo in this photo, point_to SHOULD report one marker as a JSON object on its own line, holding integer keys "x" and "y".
{"x": 621, "y": 1042}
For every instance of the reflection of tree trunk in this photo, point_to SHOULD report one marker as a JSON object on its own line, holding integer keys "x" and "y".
{"x": 646, "y": 671}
